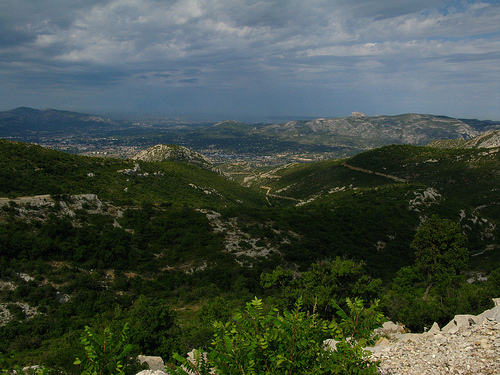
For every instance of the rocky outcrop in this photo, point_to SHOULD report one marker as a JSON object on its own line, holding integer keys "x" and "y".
{"x": 468, "y": 344}
{"x": 40, "y": 207}
{"x": 162, "y": 152}
{"x": 489, "y": 139}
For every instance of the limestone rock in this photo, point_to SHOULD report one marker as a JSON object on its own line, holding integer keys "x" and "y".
{"x": 468, "y": 344}
{"x": 459, "y": 322}
{"x": 154, "y": 363}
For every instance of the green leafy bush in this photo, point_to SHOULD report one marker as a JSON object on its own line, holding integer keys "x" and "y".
{"x": 105, "y": 354}
{"x": 257, "y": 341}
{"x": 325, "y": 281}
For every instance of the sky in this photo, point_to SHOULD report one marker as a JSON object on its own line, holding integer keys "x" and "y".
{"x": 252, "y": 60}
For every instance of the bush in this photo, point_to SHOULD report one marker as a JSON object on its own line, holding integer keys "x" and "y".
{"x": 259, "y": 342}
{"x": 105, "y": 354}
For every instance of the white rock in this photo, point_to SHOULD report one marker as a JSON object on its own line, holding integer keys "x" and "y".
{"x": 154, "y": 363}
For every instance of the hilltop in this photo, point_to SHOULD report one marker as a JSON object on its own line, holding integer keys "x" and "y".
{"x": 174, "y": 153}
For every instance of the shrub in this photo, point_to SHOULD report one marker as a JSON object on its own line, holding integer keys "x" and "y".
{"x": 106, "y": 353}
{"x": 260, "y": 342}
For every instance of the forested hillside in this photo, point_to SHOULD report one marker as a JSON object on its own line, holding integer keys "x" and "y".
{"x": 169, "y": 247}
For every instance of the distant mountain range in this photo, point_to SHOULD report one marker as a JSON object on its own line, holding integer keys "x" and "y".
{"x": 25, "y": 119}
{"x": 337, "y": 137}
{"x": 361, "y": 130}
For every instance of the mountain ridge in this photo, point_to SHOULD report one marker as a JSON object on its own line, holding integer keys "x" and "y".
{"x": 331, "y": 137}
{"x": 405, "y": 128}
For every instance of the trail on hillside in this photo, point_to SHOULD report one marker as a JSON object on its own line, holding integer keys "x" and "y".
{"x": 395, "y": 178}
{"x": 278, "y": 196}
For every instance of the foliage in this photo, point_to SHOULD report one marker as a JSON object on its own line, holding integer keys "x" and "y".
{"x": 151, "y": 324}
{"x": 468, "y": 175}
{"x": 326, "y": 281}
{"x": 350, "y": 224}
{"x": 440, "y": 250}
{"x": 106, "y": 353}
{"x": 266, "y": 342}
{"x": 433, "y": 289}
{"x": 27, "y": 169}
{"x": 152, "y": 238}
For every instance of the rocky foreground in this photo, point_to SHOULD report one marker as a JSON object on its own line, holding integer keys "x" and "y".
{"x": 468, "y": 345}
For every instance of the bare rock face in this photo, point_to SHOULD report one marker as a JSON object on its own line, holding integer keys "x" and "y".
{"x": 485, "y": 140}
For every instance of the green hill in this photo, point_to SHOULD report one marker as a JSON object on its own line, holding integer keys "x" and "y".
{"x": 27, "y": 169}
{"x": 388, "y": 191}
{"x": 98, "y": 241}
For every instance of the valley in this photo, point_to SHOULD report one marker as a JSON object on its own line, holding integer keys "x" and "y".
{"x": 184, "y": 235}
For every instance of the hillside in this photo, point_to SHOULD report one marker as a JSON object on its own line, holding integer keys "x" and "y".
{"x": 381, "y": 195}
{"x": 98, "y": 241}
{"x": 488, "y": 139}
{"x": 28, "y": 169}
{"x": 398, "y": 184}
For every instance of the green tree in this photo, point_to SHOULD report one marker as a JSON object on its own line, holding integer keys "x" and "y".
{"x": 152, "y": 325}
{"x": 433, "y": 289}
{"x": 440, "y": 251}
{"x": 324, "y": 282}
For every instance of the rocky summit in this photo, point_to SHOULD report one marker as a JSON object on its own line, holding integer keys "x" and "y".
{"x": 162, "y": 152}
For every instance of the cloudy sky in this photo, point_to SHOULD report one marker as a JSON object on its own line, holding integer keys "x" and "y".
{"x": 252, "y": 60}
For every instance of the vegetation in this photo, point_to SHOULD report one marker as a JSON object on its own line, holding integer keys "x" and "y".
{"x": 434, "y": 288}
{"x": 256, "y": 342}
{"x": 168, "y": 249}
{"x": 105, "y": 354}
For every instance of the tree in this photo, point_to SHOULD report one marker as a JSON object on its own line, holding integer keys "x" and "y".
{"x": 440, "y": 250}
{"x": 325, "y": 281}
{"x": 152, "y": 324}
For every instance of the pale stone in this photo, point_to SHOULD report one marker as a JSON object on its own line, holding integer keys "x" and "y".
{"x": 435, "y": 328}
{"x": 459, "y": 322}
{"x": 154, "y": 363}
{"x": 382, "y": 342}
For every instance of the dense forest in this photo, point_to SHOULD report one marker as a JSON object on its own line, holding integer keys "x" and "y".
{"x": 166, "y": 249}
